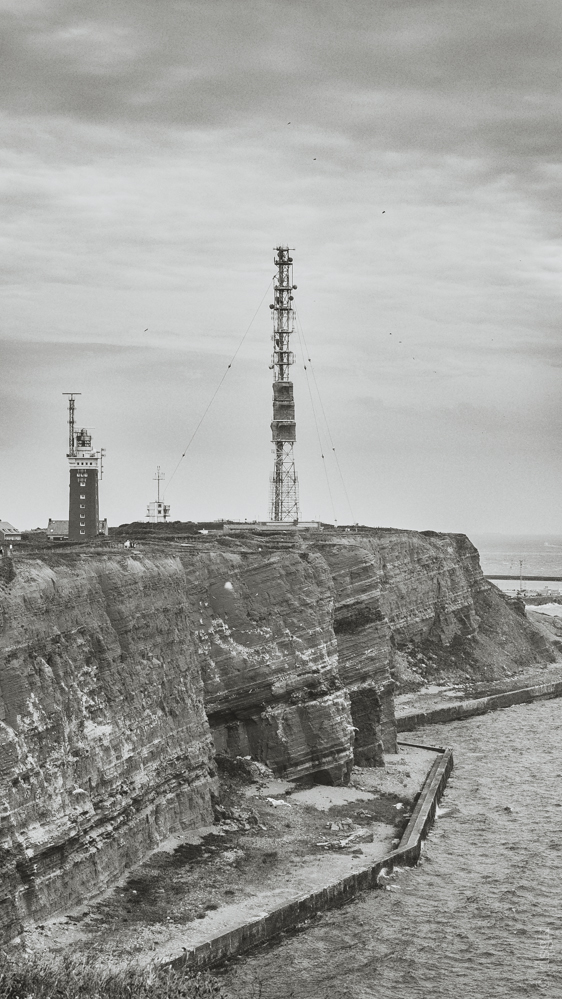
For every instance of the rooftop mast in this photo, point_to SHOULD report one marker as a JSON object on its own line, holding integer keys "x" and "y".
{"x": 284, "y": 483}
{"x": 158, "y": 478}
{"x": 158, "y": 510}
{"x": 71, "y": 407}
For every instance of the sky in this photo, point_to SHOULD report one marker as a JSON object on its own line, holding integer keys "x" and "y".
{"x": 154, "y": 154}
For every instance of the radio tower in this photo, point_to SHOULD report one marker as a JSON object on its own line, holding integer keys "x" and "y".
{"x": 284, "y": 484}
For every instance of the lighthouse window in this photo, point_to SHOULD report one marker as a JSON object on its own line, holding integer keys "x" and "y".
{"x": 82, "y": 532}
{"x": 82, "y": 495}
{"x": 82, "y": 506}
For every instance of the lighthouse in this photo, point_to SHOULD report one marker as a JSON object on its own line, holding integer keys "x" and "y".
{"x": 85, "y": 471}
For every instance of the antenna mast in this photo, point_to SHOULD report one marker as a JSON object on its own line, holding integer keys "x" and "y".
{"x": 284, "y": 482}
{"x": 71, "y": 439}
{"x": 158, "y": 511}
{"x": 158, "y": 478}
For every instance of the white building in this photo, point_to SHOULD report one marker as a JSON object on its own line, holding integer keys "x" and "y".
{"x": 9, "y": 533}
{"x": 157, "y": 511}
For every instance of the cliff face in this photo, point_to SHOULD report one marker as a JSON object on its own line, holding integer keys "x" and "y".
{"x": 105, "y": 749}
{"x": 449, "y": 623}
{"x": 269, "y": 659}
{"x": 122, "y": 675}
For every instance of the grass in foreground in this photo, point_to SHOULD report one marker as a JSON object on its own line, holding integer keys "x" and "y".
{"x": 35, "y": 978}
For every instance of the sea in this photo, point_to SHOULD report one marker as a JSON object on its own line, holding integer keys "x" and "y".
{"x": 481, "y": 916}
{"x": 518, "y": 555}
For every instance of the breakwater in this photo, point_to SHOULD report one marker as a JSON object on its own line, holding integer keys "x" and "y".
{"x": 480, "y": 915}
{"x": 335, "y": 894}
{"x": 477, "y": 706}
{"x": 526, "y": 577}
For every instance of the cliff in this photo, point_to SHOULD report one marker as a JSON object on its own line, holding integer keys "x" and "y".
{"x": 123, "y": 674}
{"x": 105, "y": 749}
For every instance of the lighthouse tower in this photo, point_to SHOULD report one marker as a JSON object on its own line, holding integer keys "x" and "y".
{"x": 85, "y": 470}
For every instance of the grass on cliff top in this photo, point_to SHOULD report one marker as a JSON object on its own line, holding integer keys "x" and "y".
{"x": 74, "y": 979}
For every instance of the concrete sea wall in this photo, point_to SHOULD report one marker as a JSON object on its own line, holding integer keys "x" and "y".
{"x": 477, "y": 706}
{"x": 337, "y": 893}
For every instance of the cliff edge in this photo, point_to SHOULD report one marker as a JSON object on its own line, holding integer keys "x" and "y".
{"x": 123, "y": 674}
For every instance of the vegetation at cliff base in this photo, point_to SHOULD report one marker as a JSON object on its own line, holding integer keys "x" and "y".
{"x": 37, "y": 978}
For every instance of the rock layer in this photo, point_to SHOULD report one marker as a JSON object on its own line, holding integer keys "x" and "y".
{"x": 123, "y": 674}
{"x": 105, "y": 749}
{"x": 269, "y": 659}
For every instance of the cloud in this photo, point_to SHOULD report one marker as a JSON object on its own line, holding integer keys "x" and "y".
{"x": 148, "y": 169}
{"x": 409, "y": 75}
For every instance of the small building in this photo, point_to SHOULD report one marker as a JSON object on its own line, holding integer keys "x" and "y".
{"x": 157, "y": 511}
{"x": 9, "y": 533}
{"x": 57, "y": 530}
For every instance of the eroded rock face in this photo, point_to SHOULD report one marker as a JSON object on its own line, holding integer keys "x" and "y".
{"x": 269, "y": 659}
{"x": 105, "y": 748}
{"x": 363, "y": 637}
{"x": 446, "y": 619}
{"x": 123, "y": 674}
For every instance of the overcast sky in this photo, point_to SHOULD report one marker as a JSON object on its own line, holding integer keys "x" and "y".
{"x": 153, "y": 155}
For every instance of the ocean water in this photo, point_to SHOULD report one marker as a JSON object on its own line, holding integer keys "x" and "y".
{"x": 481, "y": 916}
{"x": 502, "y": 553}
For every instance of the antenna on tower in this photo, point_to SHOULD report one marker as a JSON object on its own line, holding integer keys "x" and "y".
{"x": 158, "y": 510}
{"x": 158, "y": 478}
{"x": 284, "y": 482}
{"x": 71, "y": 407}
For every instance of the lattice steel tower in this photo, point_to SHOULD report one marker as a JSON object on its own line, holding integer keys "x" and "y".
{"x": 284, "y": 482}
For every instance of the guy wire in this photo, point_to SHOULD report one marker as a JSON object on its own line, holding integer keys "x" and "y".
{"x": 317, "y": 428}
{"x": 301, "y": 333}
{"x": 215, "y": 393}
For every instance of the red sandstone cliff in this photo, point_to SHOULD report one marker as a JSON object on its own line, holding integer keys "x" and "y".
{"x": 122, "y": 674}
